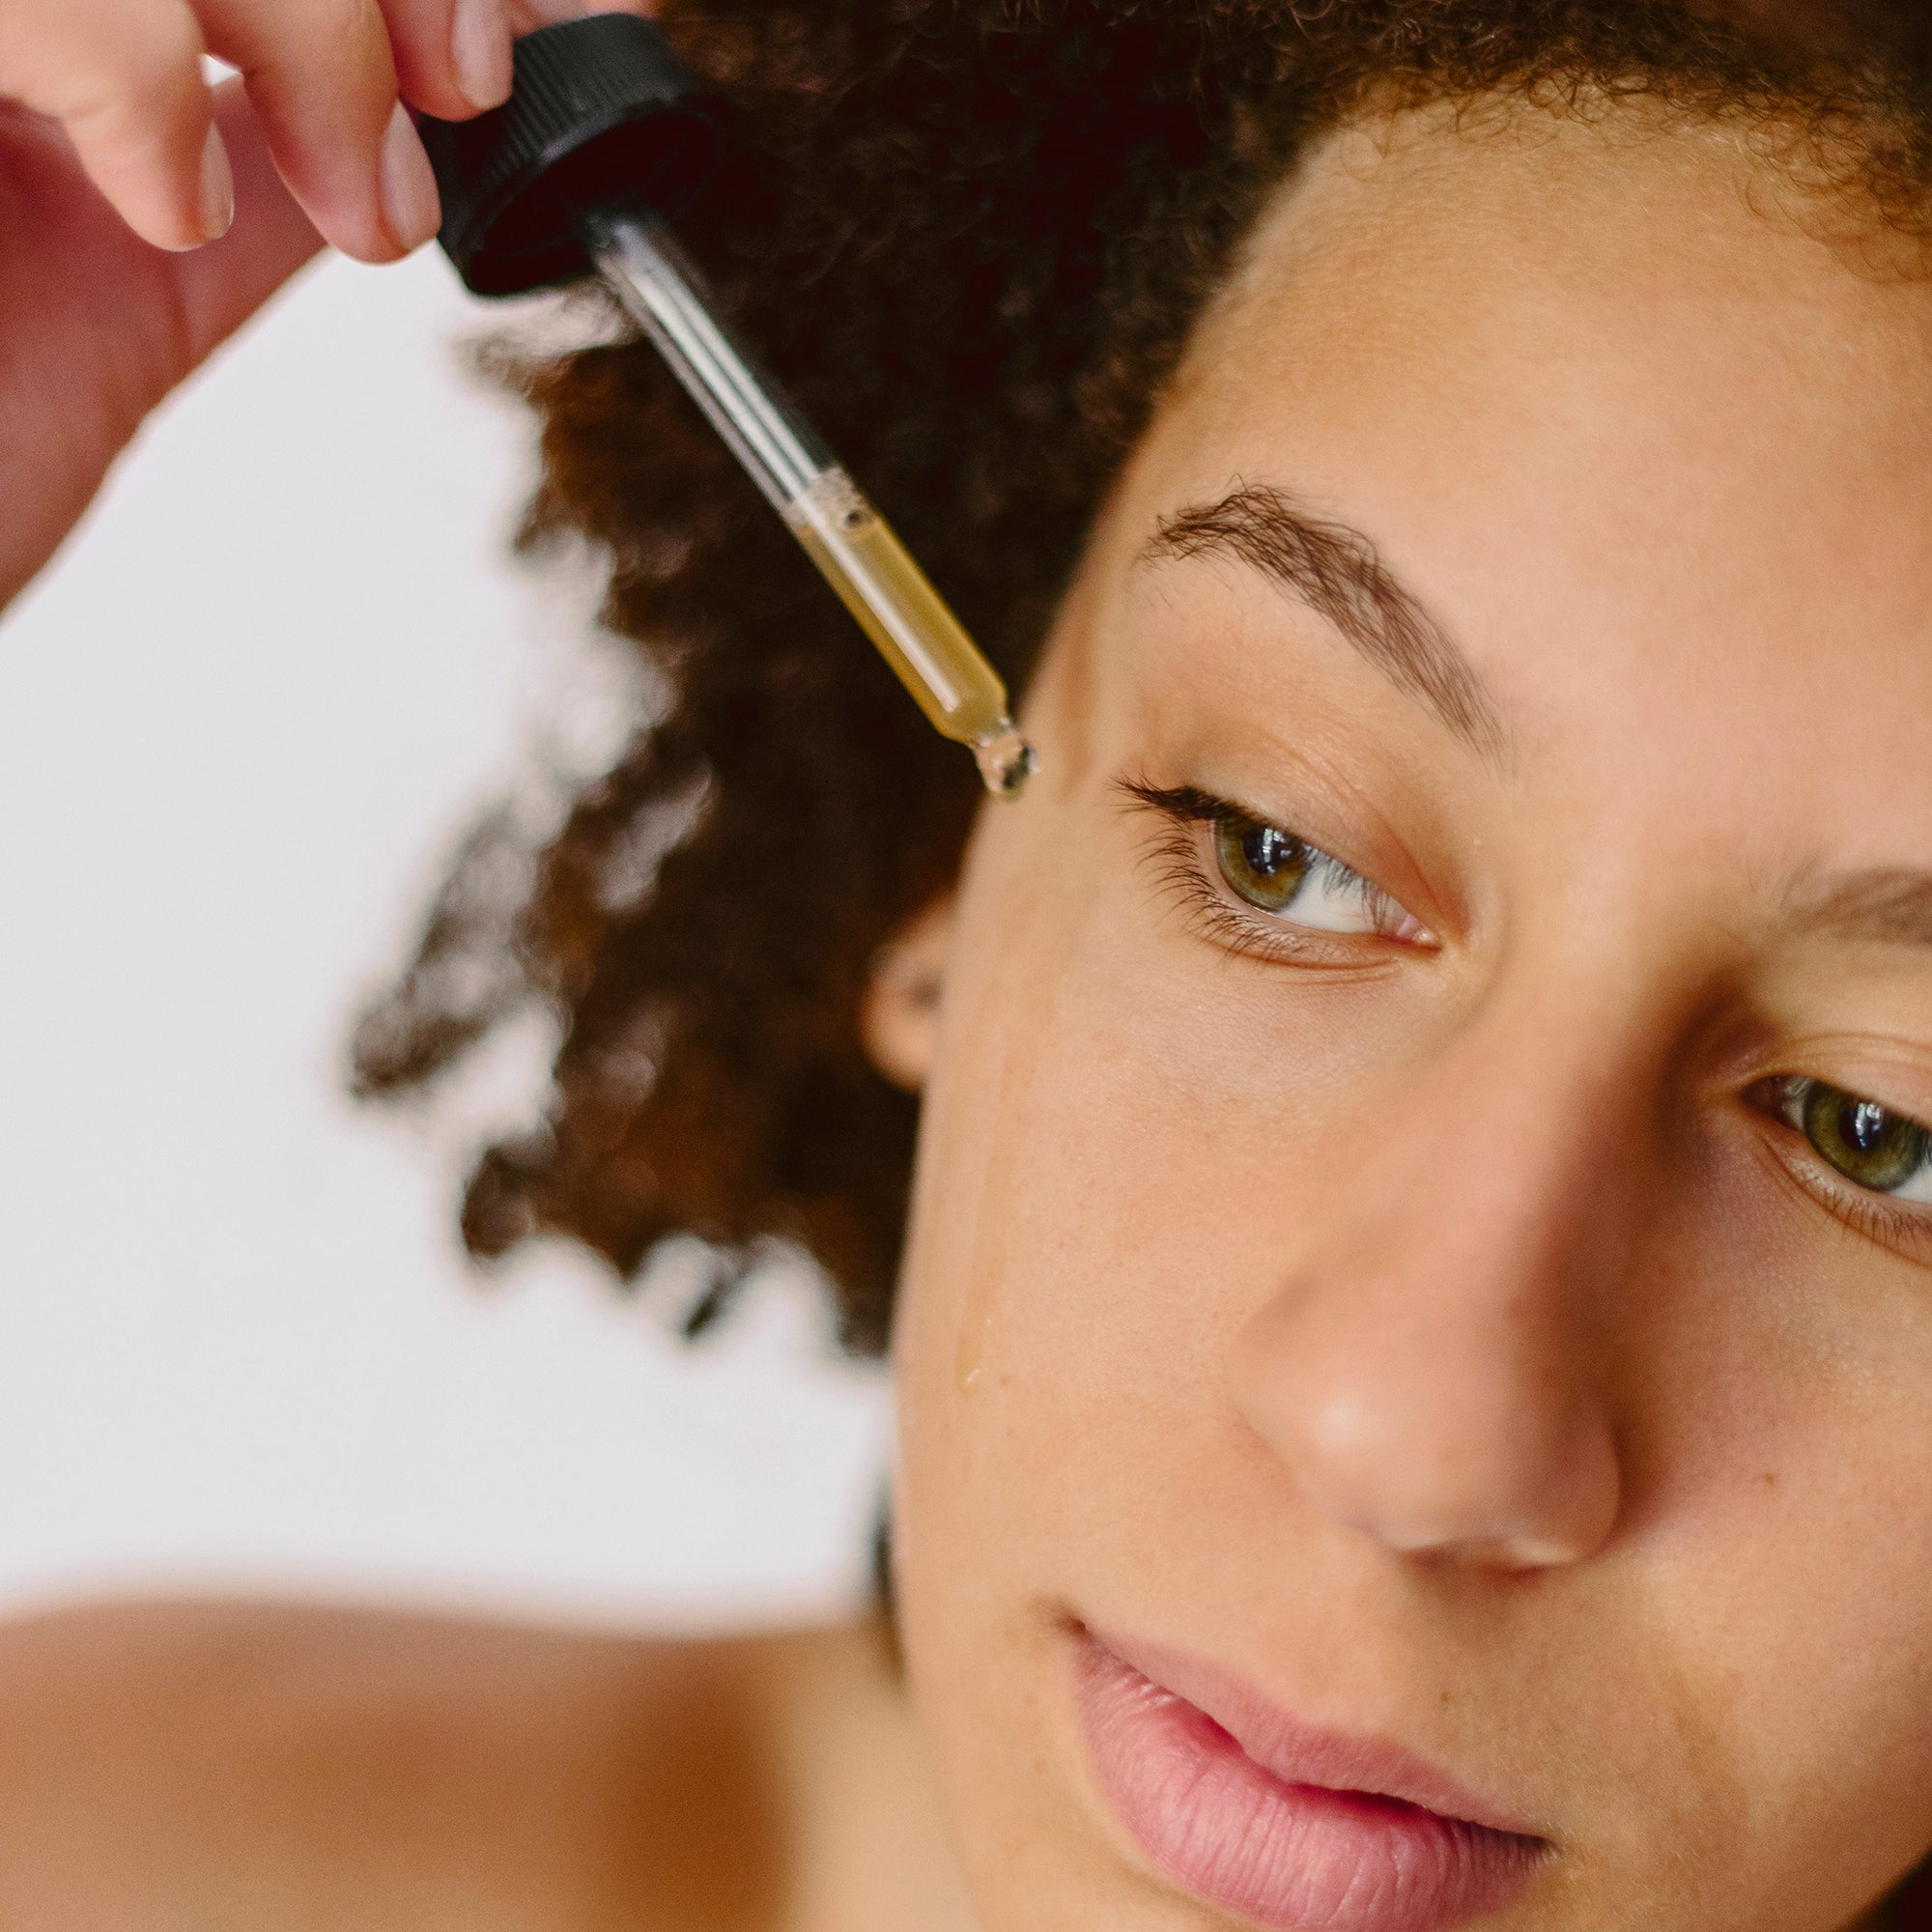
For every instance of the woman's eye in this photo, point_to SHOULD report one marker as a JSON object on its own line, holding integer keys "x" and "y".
{"x": 1279, "y": 873}
{"x": 1873, "y": 1146}
{"x": 1300, "y": 888}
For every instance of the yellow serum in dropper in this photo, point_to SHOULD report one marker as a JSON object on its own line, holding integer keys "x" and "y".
{"x": 852, "y": 545}
{"x": 926, "y": 645}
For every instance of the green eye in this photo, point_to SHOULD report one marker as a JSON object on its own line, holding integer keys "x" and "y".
{"x": 1873, "y": 1146}
{"x": 1271, "y": 869}
{"x": 1302, "y": 884}
{"x": 1265, "y": 865}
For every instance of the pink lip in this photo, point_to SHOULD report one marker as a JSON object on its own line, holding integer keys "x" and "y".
{"x": 1296, "y": 1829}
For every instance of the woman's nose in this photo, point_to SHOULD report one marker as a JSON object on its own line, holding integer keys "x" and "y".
{"x": 1432, "y": 1374}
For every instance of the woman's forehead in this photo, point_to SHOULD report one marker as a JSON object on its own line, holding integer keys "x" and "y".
{"x": 1616, "y": 426}
{"x": 1544, "y": 276}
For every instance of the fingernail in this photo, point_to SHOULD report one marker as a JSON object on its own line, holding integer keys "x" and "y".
{"x": 218, "y": 187}
{"x": 479, "y": 50}
{"x": 411, "y": 210}
{"x": 528, "y": 16}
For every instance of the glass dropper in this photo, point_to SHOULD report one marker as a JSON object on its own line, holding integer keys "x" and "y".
{"x": 852, "y": 545}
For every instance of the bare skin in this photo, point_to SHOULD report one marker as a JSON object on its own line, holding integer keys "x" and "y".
{"x": 301, "y": 1769}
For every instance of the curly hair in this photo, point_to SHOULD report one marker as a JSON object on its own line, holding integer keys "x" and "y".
{"x": 971, "y": 236}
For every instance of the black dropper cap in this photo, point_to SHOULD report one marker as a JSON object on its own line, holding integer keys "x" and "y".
{"x": 600, "y": 114}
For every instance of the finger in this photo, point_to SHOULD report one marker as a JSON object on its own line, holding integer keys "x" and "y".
{"x": 222, "y": 286}
{"x": 323, "y": 82}
{"x": 528, "y": 16}
{"x": 123, "y": 79}
{"x": 452, "y": 56}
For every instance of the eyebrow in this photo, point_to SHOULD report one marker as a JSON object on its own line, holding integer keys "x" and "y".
{"x": 1890, "y": 906}
{"x": 1336, "y": 571}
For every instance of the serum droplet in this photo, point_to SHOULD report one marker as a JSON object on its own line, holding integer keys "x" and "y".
{"x": 1006, "y": 759}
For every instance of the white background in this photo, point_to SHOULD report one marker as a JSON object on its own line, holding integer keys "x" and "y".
{"x": 241, "y": 720}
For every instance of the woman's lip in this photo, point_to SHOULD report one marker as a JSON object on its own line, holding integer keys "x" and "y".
{"x": 1296, "y": 1828}
{"x": 1300, "y": 1753}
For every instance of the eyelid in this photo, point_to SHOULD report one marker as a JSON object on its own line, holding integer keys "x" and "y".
{"x": 1192, "y": 804}
{"x": 1749, "y": 1048}
{"x": 1262, "y": 932}
{"x": 1866, "y": 1067}
{"x": 1791, "y": 1096}
{"x": 1334, "y": 795}
{"x": 1394, "y": 868}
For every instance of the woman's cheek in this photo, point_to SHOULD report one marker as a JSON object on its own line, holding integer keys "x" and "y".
{"x": 1127, "y": 1133}
{"x": 1095, "y": 1066}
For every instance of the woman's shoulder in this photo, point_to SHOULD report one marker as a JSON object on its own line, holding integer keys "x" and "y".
{"x": 305, "y": 1768}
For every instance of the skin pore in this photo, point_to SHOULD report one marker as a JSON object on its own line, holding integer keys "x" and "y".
{"x": 1447, "y": 1332}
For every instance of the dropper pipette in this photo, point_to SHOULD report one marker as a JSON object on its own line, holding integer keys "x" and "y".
{"x": 852, "y": 545}
{"x": 602, "y": 130}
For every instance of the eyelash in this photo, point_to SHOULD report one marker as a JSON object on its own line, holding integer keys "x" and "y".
{"x": 1877, "y": 1217}
{"x": 1245, "y": 931}
{"x": 1864, "y": 1214}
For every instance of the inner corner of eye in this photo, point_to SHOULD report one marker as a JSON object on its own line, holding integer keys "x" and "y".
{"x": 1778, "y": 1095}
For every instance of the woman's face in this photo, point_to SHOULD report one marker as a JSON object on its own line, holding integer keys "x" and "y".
{"x": 1421, "y": 1276}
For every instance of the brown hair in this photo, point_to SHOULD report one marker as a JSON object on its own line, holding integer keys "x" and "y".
{"x": 971, "y": 236}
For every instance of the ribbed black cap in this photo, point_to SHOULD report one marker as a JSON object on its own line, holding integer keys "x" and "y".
{"x": 599, "y": 114}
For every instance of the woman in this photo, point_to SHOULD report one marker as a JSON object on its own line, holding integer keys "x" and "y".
{"x": 1413, "y": 1330}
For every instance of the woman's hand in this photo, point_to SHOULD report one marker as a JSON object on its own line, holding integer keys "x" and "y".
{"x": 143, "y": 214}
